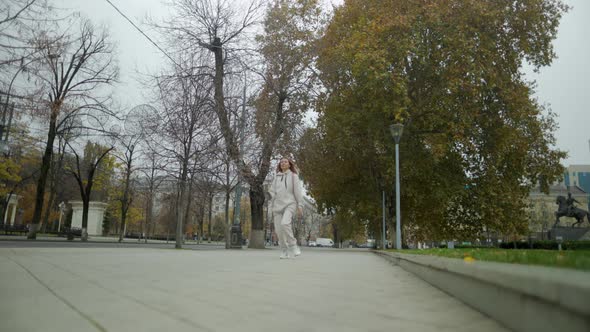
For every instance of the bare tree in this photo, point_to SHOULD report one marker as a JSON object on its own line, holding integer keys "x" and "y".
{"x": 19, "y": 19}
{"x": 208, "y": 186}
{"x": 215, "y": 26}
{"x": 73, "y": 71}
{"x": 152, "y": 171}
{"x": 220, "y": 177}
{"x": 195, "y": 210}
{"x": 187, "y": 130}
{"x": 84, "y": 172}
{"x": 69, "y": 130}
{"x": 12, "y": 9}
{"x": 288, "y": 49}
{"x": 129, "y": 140}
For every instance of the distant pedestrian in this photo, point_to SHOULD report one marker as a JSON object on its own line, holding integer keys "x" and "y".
{"x": 286, "y": 202}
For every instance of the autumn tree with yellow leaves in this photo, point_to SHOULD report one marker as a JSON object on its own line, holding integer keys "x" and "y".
{"x": 475, "y": 140}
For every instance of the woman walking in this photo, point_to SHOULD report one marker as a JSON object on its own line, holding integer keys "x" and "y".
{"x": 286, "y": 201}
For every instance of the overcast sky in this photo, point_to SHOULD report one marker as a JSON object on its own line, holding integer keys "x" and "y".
{"x": 563, "y": 87}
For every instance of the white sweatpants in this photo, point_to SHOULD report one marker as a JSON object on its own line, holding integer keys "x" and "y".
{"x": 284, "y": 228}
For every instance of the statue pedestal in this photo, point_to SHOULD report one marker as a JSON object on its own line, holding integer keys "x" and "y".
{"x": 569, "y": 233}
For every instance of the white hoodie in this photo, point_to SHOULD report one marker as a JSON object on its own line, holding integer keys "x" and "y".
{"x": 285, "y": 190}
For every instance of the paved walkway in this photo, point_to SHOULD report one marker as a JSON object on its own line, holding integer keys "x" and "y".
{"x": 143, "y": 289}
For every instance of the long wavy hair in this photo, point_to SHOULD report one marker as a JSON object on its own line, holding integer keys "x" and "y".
{"x": 292, "y": 166}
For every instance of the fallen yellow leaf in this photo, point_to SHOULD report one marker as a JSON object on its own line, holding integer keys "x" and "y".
{"x": 468, "y": 259}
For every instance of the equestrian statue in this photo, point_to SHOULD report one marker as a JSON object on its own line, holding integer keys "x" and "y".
{"x": 567, "y": 209}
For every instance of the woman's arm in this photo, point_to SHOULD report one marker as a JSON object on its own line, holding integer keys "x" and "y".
{"x": 271, "y": 190}
{"x": 298, "y": 190}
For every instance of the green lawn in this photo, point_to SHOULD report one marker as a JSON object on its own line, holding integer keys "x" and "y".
{"x": 579, "y": 259}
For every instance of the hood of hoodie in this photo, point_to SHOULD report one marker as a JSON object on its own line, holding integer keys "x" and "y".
{"x": 283, "y": 176}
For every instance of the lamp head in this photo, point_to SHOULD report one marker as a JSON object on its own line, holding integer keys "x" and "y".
{"x": 396, "y": 131}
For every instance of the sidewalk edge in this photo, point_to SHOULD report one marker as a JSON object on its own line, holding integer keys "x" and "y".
{"x": 523, "y": 298}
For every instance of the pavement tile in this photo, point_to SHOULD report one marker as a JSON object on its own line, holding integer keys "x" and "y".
{"x": 143, "y": 289}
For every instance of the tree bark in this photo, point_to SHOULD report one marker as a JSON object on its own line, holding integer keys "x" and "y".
{"x": 45, "y": 164}
{"x": 227, "y": 221}
{"x": 210, "y": 217}
{"x": 148, "y": 217}
{"x": 85, "y": 207}
{"x": 50, "y": 203}
{"x": 187, "y": 208}
{"x": 180, "y": 205}
{"x": 202, "y": 222}
{"x": 124, "y": 208}
{"x": 53, "y": 184}
{"x": 257, "y": 214}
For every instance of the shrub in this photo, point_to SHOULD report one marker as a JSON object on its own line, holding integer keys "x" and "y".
{"x": 545, "y": 244}
{"x": 515, "y": 245}
{"x": 576, "y": 245}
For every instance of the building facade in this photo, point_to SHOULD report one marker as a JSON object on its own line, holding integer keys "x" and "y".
{"x": 578, "y": 175}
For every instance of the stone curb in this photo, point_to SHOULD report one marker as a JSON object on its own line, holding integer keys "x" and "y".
{"x": 522, "y": 297}
{"x": 97, "y": 240}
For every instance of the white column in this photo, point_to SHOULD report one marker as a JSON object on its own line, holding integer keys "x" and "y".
{"x": 5, "y": 216}
{"x": 5, "y": 220}
{"x": 61, "y": 214}
{"x": 13, "y": 214}
{"x": 12, "y": 202}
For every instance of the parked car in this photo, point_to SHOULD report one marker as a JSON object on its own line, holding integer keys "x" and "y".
{"x": 311, "y": 244}
{"x": 370, "y": 244}
{"x": 324, "y": 242}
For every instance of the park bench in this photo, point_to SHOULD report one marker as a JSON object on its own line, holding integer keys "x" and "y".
{"x": 71, "y": 232}
{"x": 14, "y": 229}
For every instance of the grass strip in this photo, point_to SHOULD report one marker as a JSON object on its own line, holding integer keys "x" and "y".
{"x": 579, "y": 259}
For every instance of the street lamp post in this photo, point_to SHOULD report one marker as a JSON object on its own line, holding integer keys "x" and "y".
{"x": 396, "y": 131}
{"x": 62, "y": 207}
{"x": 383, "y": 241}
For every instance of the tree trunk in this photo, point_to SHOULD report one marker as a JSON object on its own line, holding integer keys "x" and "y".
{"x": 202, "y": 222}
{"x": 125, "y": 202}
{"x": 335, "y": 234}
{"x": 257, "y": 213}
{"x": 85, "y": 208}
{"x": 227, "y": 221}
{"x": 86, "y": 196}
{"x": 47, "y": 211}
{"x": 180, "y": 206}
{"x": 148, "y": 218}
{"x": 187, "y": 208}
{"x": 45, "y": 164}
{"x": 210, "y": 217}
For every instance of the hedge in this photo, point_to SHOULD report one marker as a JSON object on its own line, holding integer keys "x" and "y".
{"x": 547, "y": 245}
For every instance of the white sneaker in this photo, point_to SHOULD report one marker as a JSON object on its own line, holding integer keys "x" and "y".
{"x": 284, "y": 254}
{"x": 294, "y": 251}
